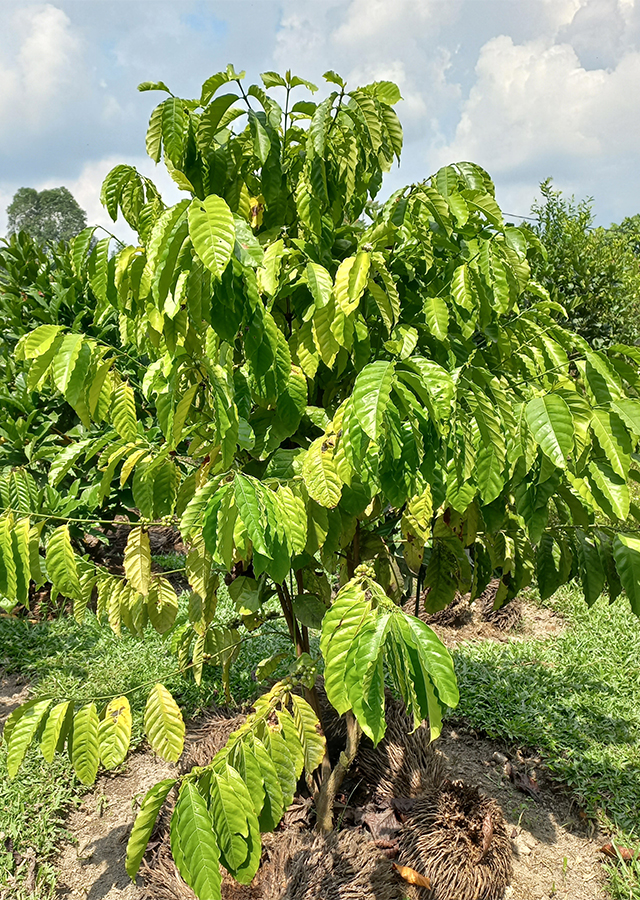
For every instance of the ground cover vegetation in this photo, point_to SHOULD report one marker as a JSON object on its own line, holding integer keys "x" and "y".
{"x": 335, "y": 403}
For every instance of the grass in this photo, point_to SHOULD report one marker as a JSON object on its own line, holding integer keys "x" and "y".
{"x": 64, "y": 659}
{"x": 576, "y": 699}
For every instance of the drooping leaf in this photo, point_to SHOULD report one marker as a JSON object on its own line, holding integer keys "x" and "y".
{"x": 137, "y": 560}
{"x": 20, "y": 730}
{"x": 163, "y": 724}
{"x": 626, "y": 552}
{"x": 145, "y": 823}
{"x": 85, "y": 750}
{"x": 114, "y": 734}
{"x": 193, "y": 843}
{"x": 551, "y": 424}
{"x": 371, "y": 394}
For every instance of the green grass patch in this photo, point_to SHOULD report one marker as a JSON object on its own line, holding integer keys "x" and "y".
{"x": 33, "y": 809}
{"x": 86, "y": 662}
{"x": 576, "y": 699}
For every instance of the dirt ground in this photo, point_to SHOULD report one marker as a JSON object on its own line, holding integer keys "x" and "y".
{"x": 93, "y": 868}
{"x": 554, "y": 846}
{"x": 555, "y": 852}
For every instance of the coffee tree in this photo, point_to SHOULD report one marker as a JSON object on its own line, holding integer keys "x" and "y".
{"x": 337, "y": 402}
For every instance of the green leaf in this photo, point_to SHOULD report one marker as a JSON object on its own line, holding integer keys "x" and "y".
{"x": 229, "y": 821}
{"x": 551, "y": 424}
{"x": 38, "y": 342}
{"x": 8, "y": 574}
{"x": 320, "y": 284}
{"x": 292, "y": 738}
{"x": 547, "y": 570}
{"x": 212, "y": 231}
{"x": 437, "y": 315}
{"x": 123, "y": 411}
{"x": 371, "y": 394}
{"x": 85, "y": 752}
{"x": 590, "y": 567}
{"x": 153, "y": 86}
{"x": 173, "y": 129}
{"x": 193, "y": 844}
{"x": 61, "y": 563}
{"x": 629, "y": 412}
{"x": 277, "y": 748}
{"x": 137, "y": 560}
{"x": 340, "y": 627}
{"x": 273, "y": 808}
{"x": 20, "y": 731}
{"x": 245, "y": 873}
{"x": 21, "y": 557}
{"x": 114, "y": 733}
{"x": 55, "y": 729}
{"x": 626, "y": 553}
{"x": 145, "y": 823}
{"x": 614, "y": 440}
{"x": 320, "y": 474}
{"x": 307, "y": 724}
{"x": 309, "y": 610}
{"x": 245, "y": 763}
{"x": 247, "y": 491}
{"x": 612, "y": 485}
{"x": 163, "y": 724}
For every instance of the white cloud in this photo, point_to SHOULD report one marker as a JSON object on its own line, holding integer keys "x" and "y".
{"x": 40, "y": 72}
{"x": 86, "y": 190}
{"x": 536, "y": 101}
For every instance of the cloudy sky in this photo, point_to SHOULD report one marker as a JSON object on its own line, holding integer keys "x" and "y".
{"x": 527, "y": 88}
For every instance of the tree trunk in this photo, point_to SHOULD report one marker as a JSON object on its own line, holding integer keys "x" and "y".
{"x": 331, "y": 785}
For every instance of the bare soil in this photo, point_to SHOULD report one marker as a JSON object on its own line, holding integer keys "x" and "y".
{"x": 92, "y": 868}
{"x": 14, "y": 690}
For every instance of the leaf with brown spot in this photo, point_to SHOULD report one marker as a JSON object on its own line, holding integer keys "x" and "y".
{"x": 412, "y": 877}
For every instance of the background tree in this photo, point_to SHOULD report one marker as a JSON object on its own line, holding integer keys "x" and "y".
{"x": 51, "y": 215}
{"x": 593, "y": 272}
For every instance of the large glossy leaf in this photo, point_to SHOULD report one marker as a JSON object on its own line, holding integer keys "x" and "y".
{"x": 61, "y": 563}
{"x": 229, "y": 820}
{"x": 371, "y": 394}
{"x": 193, "y": 843}
{"x": 145, "y": 823}
{"x": 85, "y": 751}
{"x": 320, "y": 284}
{"x": 137, "y": 560}
{"x": 114, "y": 734}
{"x": 313, "y": 742}
{"x": 212, "y": 232}
{"x": 551, "y": 424}
{"x": 247, "y": 496}
{"x": 55, "y": 729}
{"x": 437, "y": 316}
{"x": 20, "y": 731}
{"x": 273, "y": 806}
{"x": 320, "y": 474}
{"x": 163, "y": 724}
{"x": 614, "y": 440}
{"x": 340, "y": 628}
